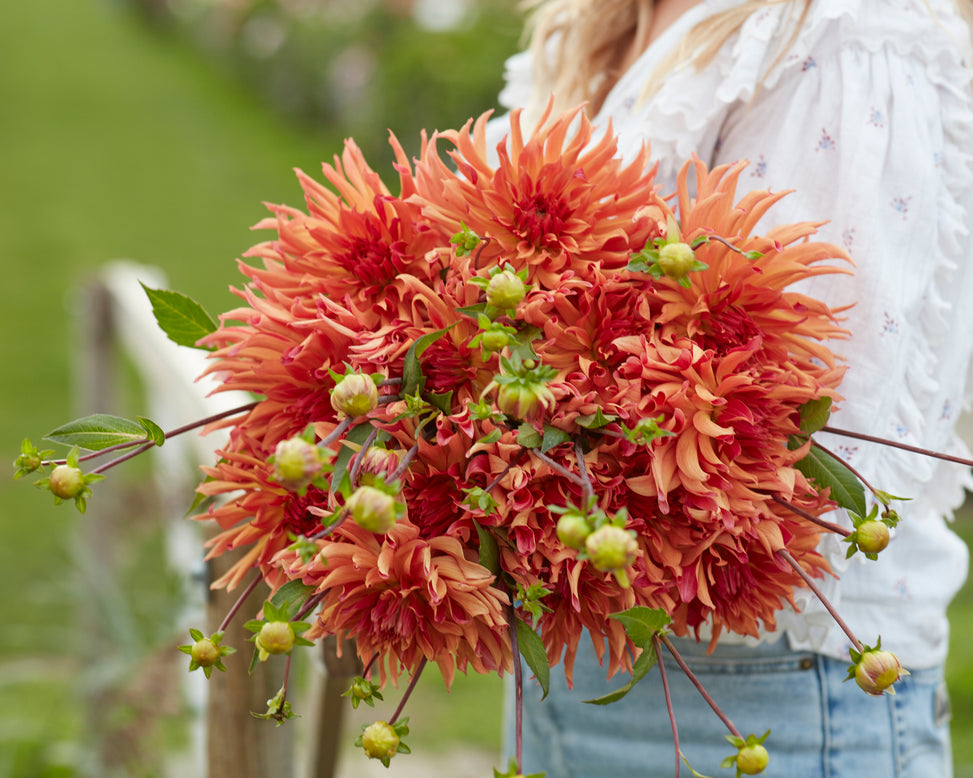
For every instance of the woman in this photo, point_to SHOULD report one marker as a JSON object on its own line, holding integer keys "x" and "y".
{"x": 864, "y": 107}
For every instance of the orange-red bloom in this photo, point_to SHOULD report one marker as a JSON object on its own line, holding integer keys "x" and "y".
{"x": 719, "y": 366}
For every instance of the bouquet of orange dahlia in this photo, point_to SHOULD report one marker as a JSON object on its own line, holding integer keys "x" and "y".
{"x": 523, "y": 400}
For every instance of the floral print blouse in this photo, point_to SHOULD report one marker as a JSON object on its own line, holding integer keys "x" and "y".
{"x": 868, "y": 117}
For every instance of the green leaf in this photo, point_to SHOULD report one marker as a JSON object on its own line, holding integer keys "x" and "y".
{"x": 826, "y": 471}
{"x": 595, "y": 420}
{"x": 489, "y": 550}
{"x": 553, "y": 437}
{"x": 444, "y": 401}
{"x": 289, "y": 598}
{"x": 153, "y": 431}
{"x": 97, "y": 432}
{"x": 532, "y": 649}
{"x": 815, "y": 414}
{"x": 640, "y": 668}
{"x": 182, "y": 319}
{"x": 528, "y": 437}
{"x": 642, "y": 623}
{"x": 412, "y": 378}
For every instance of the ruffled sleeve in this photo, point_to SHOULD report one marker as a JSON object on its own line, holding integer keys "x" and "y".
{"x": 869, "y": 119}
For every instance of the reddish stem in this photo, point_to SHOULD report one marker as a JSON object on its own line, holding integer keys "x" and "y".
{"x": 239, "y": 603}
{"x": 784, "y": 554}
{"x": 587, "y": 488}
{"x": 518, "y": 692}
{"x": 408, "y": 691}
{"x": 574, "y": 477}
{"x": 665, "y": 690}
{"x": 699, "y": 687}
{"x": 830, "y": 526}
{"x": 904, "y": 446}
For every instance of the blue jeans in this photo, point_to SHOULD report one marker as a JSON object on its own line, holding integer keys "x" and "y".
{"x": 821, "y": 727}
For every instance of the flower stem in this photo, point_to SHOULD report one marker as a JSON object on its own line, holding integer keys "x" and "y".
{"x": 665, "y": 691}
{"x": 408, "y": 691}
{"x": 336, "y": 433}
{"x": 587, "y": 488}
{"x": 141, "y": 446}
{"x": 360, "y": 456}
{"x": 368, "y": 667}
{"x": 894, "y": 444}
{"x": 518, "y": 692}
{"x": 239, "y": 603}
{"x": 574, "y": 477}
{"x": 406, "y": 461}
{"x": 828, "y": 525}
{"x": 311, "y": 603}
{"x": 699, "y": 686}
{"x": 784, "y": 554}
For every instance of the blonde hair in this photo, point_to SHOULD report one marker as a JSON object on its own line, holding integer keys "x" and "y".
{"x": 582, "y": 47}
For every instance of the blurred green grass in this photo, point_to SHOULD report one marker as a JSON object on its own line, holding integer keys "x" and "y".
{"x": 120, "y": 141}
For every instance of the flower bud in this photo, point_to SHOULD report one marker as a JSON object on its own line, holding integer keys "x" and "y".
{"x": 494, "y": 340}
{"x": 877, "y": 670}
{"x": 378, "y": 462}
{"x": 372, "y": 509}
{"x": 66, "y": 482}
{"x": 573, "y": 530}
{"x": 522, "y": 401}
{"x": 872, "y": 536}
{"x": 354, "y": 395}
{"x": 296, "y": 463}
{"x": 275, "y": 637}
{"x": 505, "y": 290}
{"x": 676, "y": 259}
{"x": 611, "y": 548}
{"x": 380, "y": 741}
{"x": 205, "y": 653}
{"x": 752, "y": 760}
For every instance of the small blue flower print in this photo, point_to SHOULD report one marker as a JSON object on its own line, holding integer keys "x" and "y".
{"x": 901, "y": 205}
{"x": 826, "y": 143}
{"x": 808, "y": 64}
{"x": 876, "y": 118}
{"x": 759, "y": 170}
{"x": 848, "y": 238}
{"x": 890, "y": 326}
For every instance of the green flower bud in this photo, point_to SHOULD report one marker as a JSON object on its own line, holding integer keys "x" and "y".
{"x": 676, "y": 259}
{"x": 611, "y": 548}
{"x": 380, "y": 741}
{"x": 752, "y": 760}
{"x": 876, "y": 670}
{"x": 505, "y": 290}
{"x": 205, "y": 653}
{"x": 66, "y": 482}
{"x": 872, "y": 536}
{"x": 275, "y": 637}
{"x": 296, "y": 463}
{"x": 355, "y": 395}
{"x": 372, "y": 509}
{"x": 494, "y": 340}
{"x": 573, "y": 530}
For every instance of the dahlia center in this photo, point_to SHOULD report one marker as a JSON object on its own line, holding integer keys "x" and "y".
{"x": 537, "y": 216}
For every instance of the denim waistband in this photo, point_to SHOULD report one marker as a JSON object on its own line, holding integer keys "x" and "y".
{"x": 764, "y": 656}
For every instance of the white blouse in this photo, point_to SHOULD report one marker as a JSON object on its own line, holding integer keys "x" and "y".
{"x": 869, "y": 117}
